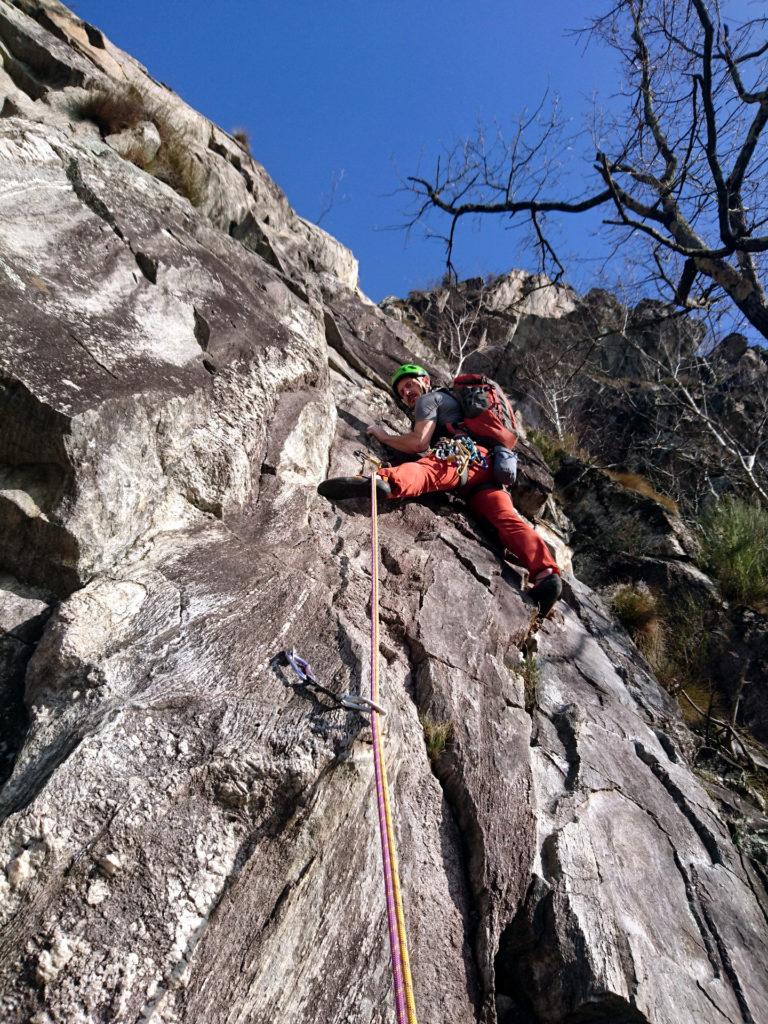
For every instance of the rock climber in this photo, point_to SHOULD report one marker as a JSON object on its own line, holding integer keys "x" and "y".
{"x": 433, "y": 412}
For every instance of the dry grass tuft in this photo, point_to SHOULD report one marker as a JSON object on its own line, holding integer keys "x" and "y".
{"x": 640, "y": 485}
{"x": 652, "y": 643}
{"x": 637, "y": 609}
{"x": 177, "y": 164}
{"x": 634, "y": 605}
{"x": 436, "y": 735}
{"x": 113, "y": 109}
{"x": 243, "y": 139}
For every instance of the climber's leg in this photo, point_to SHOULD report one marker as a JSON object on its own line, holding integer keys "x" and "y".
{"x": 428, "y": 474}
{"x": 527, "y": 547}
{"x": 410, "y": 480}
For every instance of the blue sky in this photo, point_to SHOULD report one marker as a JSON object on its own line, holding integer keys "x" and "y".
{"x": 365, "y": 93}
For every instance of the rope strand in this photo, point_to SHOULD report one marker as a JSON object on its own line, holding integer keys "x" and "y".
{"x": 405, "y": 1006}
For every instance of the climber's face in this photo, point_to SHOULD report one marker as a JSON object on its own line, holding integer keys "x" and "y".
{"x": 411, "y": 389}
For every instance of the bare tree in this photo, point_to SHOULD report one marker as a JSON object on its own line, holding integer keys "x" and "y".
{"x": 554, "y": 390}
{"x": 456, "y": 332}
{"x": 696, "y": 417}
{"x": 330, "y": 198}
{"x": 683, "y": 172}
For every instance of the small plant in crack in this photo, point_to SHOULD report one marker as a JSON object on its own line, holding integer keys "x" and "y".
{"x": 241, "y": 137}
{"x": 177, "y": 162}
{"x": 530, "y": 679}
{"x": 635, "y": 605}
{"x": 638, "y": 610}
{"x": 437, "y": 735}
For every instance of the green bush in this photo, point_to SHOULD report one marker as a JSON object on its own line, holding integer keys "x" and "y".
{"x": 734, "y": 541}
{"x": 548, "y": 446}
{"x": 675, "y": 638}
{"x": 685, "y": 660}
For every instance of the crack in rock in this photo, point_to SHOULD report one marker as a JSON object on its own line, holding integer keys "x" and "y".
{"x": 708, "y": 839}
{"x": 86, "y": 195}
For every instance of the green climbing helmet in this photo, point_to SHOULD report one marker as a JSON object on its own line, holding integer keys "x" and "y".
{"x": 406, "y": 370}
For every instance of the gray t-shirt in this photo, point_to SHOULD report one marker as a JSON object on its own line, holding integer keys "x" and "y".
{"x": 439, "y": 407}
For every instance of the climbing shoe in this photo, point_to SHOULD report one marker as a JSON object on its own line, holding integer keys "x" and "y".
{"x": 546, "y": 593}
{"x": 339, "y": 487}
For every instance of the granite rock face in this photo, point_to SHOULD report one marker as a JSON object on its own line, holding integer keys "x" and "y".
{"x": 188, "y": 832}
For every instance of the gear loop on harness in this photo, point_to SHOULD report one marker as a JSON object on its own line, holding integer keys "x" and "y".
{"x": 462, "y": 452}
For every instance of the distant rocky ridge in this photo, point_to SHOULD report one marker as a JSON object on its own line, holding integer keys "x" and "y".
{"x": 188, "y": 833}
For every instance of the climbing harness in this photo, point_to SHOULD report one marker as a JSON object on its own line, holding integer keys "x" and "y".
{"x": 405, "y": 1006}
{"x": 350, "y": 701}
{"x": 461, "y": 452}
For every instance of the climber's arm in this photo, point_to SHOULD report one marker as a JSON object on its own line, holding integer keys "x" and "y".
{"x": 415, "y": 441}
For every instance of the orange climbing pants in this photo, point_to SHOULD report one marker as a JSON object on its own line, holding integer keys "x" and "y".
{"x": 490, "y": 502}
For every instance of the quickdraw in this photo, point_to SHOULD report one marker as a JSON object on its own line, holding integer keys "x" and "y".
{"x": 461, "y": 452}
{"x": 350, "y": 701}
{"x": 365, "y": 456}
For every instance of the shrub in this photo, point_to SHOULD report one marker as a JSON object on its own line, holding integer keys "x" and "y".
{"x": 689, "y": 644}
{"x": 677, "y": 641}
{"x": 734, "y": 541}
{"x": 436, "y": 735}
{"x": 627, "y": 535}
{"x": 547, "y": 446}
{"x": 553, "y": 449}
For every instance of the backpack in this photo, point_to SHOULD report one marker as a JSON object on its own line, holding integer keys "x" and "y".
{"x": 486, "y": 410}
